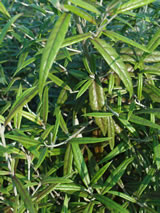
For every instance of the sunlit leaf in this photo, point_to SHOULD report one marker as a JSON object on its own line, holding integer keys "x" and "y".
{"x": 8, "y": 25}
{"x": 132, "y": 4}
{"x": 24, "y": 98}
{"x": 81, "y": 13}
{"x": 86, "y": 6}
{"x": 52, "y": 47}
{"x": 80, "y": 164}
{"x": 114, "y": 61}
{"x": 125, "y": 39}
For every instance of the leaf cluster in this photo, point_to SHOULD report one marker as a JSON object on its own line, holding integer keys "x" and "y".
{"x": 79, "y": 106}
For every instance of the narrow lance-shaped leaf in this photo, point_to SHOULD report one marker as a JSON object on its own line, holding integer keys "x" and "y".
{"x": 7, "y": 26}
{"x": 84, "y": 88}
{"x": 145, "y": 182}
{"x": 23, "y": 139}
{"x": 88, "y": 140}
{"x": 81, "y": 13}
{"x": 154, "y": 42}
{"x": 80, "y": 164}
{"x": 52, "y": 47}
{"x": 58, "y": 81}
{"x": 24, "y": 195}
{"x": 100, "y": 172}
{"x": 97, "y": 103}
{"x": 122, "y": 195}
{"x": 143, "y": 121}
{"x": 32, "y": 117}
{"x": 120, "y": 148}
{"x": 26, "y": 63}
{"x": 125, "y": 39}
{"x": 89, "y": 208}
{"x": 116, "y": 175}
{"x": 75, "y": 39}
{"x": 86, "y": 6}
{"x": 3, "y": 10}
{"x": 156, "y": 149}
{"x": 114, "y": 61}
{"x": 132, "y": 4}
{"x": 56, "y": 127}
{"x": 41, "y": 158}
{"x": 98, "y": 114}
{"x": 18, "y": 115}
{"x": 111, "y": 132}
{"x": 45, "y": 105}
{"x": 140, "y": 86}
{"x": 110, "y": 204}
{"x": 24, "y": 98}
{"x": 68, "y": 158}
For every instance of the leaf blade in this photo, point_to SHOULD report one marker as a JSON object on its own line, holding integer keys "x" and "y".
{"x": 52, "y": 47}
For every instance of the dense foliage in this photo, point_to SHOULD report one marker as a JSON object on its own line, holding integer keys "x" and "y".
{"x": 79, "y": 106}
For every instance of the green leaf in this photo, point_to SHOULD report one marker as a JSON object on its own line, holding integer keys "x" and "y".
{"x": 127, "y": 124}
{"x": 22, "y": 139}
{"x": 7, "y": 26}
{"x": 23, "y": 99}
{"x": 63, "y": 124}
{"x": 11, "y": 83}
{"x": 45, "y": 105}
{"x": 97, "y": 103}
{"x": 18, "y": 115}
{"x": 81, "y": 13}
{"x": 140, "y": 86}
{"x": 155, "y": 111}
{"x": 52, "y": 47}
{"x": 69, "y": 187}
{"x": 3, "y": 10}
{"x": 78, "y": 74}
{"x": 145, "y": 182}
{"x": 110, "y": 204}
{"x": 125, "y": 40}
{"x": 116, "y": 175}
{"x": 86, "y": 6}
{"x": 143, "y": 121}
{"x": 75, "y": 39}
{"x": 156, "y": 149}
{"x": 132, "y": 4}
{"x": 89, "y": 208}
{"x": 98, "y": 114}
{"x": 58, "y": 81}
{"x": 84, "y": 88}
{"x": 56, "y": 180}
{"x": 68, "y": 158}
{"x": 80, "y": 164}
{"x": 154, "y": 42}
{"x": 88, "y": 140}
{"x": 24, "y": 195}
{"x": 26, "y": 63}
{"x": 153, "y": 92}
{"x": 45, "y": 192}
{"x": 100, "y": 172}
{"x": 56, "y": 127}
{"x": 124, "y": 196}
{"x": 120, "y": 148}
{"x": 5, "y": 172}
{"x": 111, "y": 132}
{"x": 32, "y": 117}
{"x": 41, "y": 158}
{"x": 65, "y": 205}
{"x": 114, "y": 61}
